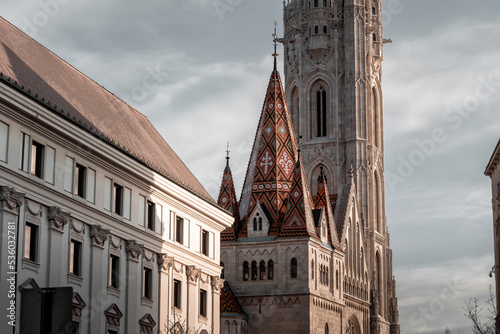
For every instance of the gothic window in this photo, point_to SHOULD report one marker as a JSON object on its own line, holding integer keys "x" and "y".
{"x": 316, "y": 30}
{"x": 255, "y": 224}
{"x": 374, "y": 11}
{"x": 294, "y": 268}
{"x": 324, "y": 3}
{"x": 260, "y": 223}
{"x": 374, "y": 36}
{"x": 321, "y": 112}
{"x": 327, "y": 330}
{"x": 337, "y": 278}
{"x": 262, "y": 270}
{"x": 245, "y": 271}
{"x": 316, "y": 3}
{"x": 378, "y": 219}
{"x": 270, "y": 270}
{"x": 312, "y": 269}
{"x": 309, "y": 4}
{"x": 324, "y": 30}
{"x": 254, "y": 270}
{"x": 326, "y": 277}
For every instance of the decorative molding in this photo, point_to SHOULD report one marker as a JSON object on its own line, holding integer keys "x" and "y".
{"x": 134, "y": 250}
{"x": 30, "y": 283}
{"x": 217, "y": 283}
{"x": 147, "y": 324}
{"x": 78, "y": 306}
{"x": 58, "y": 218}
{"x": 113, "y": 316}
{"x": 118, "y": 245}
{"x": 11, "y": 197}
{"x": 193, "y": 274}
{"x": 99, "y": 235}
{"x": 180, "y": 269}
{"x": 150, "y": 258}
{"x": 79, "y": 231}
{"x": 27, "y": 208}
{"x": 164, "y": 262}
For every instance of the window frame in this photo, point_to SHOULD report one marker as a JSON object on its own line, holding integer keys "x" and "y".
{"x": 75, "y": 257}
{"x": 114, "y": 271}
{"x": 34, "y": 242}
{"x": 37, "y": 159}
{"x": 203, "y": 303}
{"x": 147, "y": 283}
{"x": 294, "y": 272}
{"x": 177, "y": 294}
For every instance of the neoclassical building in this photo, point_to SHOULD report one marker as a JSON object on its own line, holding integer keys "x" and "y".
{"x": 94, "y": 201}
{"x": 493, "y": 172}
{"x": 309, "y": 250}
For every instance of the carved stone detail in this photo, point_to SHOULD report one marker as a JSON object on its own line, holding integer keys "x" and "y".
{"x": 134, "y": 250}
{"x": 11, "y": 197}
{"x": 58, "y": 218}
{"x": 27, "y": 208}
{"x": 164, "y": 262}
{"x": 217, "y": 283}
{"x": 99, "y": 235}
{"x": 193, "y": 274}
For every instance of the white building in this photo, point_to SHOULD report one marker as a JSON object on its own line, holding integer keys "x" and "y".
{"x": 93, "y": 198}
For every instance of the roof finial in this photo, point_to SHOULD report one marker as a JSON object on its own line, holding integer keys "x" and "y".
{"x": 227, "y": 155}
{"x": 275, "y": 54}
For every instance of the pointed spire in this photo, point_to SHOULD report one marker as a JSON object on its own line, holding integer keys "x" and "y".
{"x": 323, "y": 201}
{"x": 275, "y": 54}
{"x": 227, "y": 200}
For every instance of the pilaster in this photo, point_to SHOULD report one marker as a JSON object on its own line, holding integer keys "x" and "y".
{"x": 164, "y": 288}
{"x": 134, "y": 252}
{"x": 217, "y": 285}
{"x": 98, "y": 276}
{"x": 58, "y": 219}
{"x": 193, "y": 275}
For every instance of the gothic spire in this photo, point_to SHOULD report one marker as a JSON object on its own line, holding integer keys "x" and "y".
{"x": 323, "y": 201}
{"x": 227, "y": 200}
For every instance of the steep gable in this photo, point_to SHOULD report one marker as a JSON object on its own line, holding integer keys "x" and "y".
{"x": 323, "y": 202}
{"x": 228, "y": 201}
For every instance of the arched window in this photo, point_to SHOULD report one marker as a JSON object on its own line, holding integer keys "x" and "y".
{"x": 260, "y": 223}
{"x": 222, "y": 271}
{"x": 374, "y": 11}
{"x": 321, "y": 112}
{"x": 245, "y": 271}
{"x": 309, "y": 4}
{"x": 293, "y": 273}
{"x": 312, "y": 269}
{"x": 254, "y": 270}
{"x": 316, "y": 30}
{"x": 255, "y": 224}
{"x": 327, "y": 330}
{"x": 324, "y": 3}
{"x": 326, "y": 277}
{"x": 337, "y": 278}
{"x": 316, "y": 3}
{"x": 270, "y": 270}
{"x": 378, "y": 218}
{"x": 262, "y": 270}
{"x": 321, "y": 274}
{"x": 324, "y": 30}
{"x": 374, "y": 36}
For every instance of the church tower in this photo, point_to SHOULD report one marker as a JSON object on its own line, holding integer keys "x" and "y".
{"x": 333, "y": 56}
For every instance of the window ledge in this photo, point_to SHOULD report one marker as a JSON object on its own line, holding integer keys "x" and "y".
{"x": 73, "y": 279}
{"x": 146, "y": 302}
{"x": 113, "y": 291}
{"x": 30, "y": 265}
{"x": 202, "y": 319}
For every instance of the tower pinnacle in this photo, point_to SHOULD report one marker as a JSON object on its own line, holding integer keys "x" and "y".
{"x": 275, "y": 54}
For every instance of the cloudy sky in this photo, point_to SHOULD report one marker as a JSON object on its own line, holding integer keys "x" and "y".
{"x": 199, "y": 69}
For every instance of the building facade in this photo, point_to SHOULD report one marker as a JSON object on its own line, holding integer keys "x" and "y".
{"x": 309, "y": 251}
{"x": 493, "y": 172}
{"x": 92, "y": 198}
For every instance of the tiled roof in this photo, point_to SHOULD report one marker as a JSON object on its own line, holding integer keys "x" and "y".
{"x": 36, "y": 71}
{"x": 228, "y": 201}
{"x": 228, "y": 301}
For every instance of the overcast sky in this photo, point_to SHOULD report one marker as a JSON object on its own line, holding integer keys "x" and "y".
{"x": 198, "y": 69}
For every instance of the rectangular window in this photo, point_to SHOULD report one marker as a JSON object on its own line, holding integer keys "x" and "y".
{"x": 177, "y": 294}
{"x": 179, "y": 230}
{"x": 114, "y": 271}
{"x": 205, "y": 242}
{"x": 91, "y": 185}
{"x": 118, "y": 196}
{"x": 203, "y": 303}
{"x": 4, "y": 141}
{"x": 25, "y": 153}
{"x": 75, "y": 258}
{"x": 80, "y": 180}
{"x": 127, "y": 194}
{"x": 172, "y": 226}
{"x": 198, "y": 236}
{"x": 112, "y": 332}
{"x": 151, "y": 213}
{"x": 50, "y": 162}
{"x": 31, "y": 242}
{"x": 147, "y": 284}
{"x": 142, "y": 211}
{"x": 37, "y": 151}
{"x": 107, "y": 193}
{"x": 68, "y": 174}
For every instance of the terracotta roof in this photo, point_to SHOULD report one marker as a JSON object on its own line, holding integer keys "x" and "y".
{"x": 274, "y": 154}
{"x": 228, "y": 201}
{"x": 493, "y": 163}
{"x": 38, "y": 72}
{"x": 228, "y": 301}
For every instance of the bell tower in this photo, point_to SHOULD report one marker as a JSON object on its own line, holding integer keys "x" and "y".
{"x": 333, "y": 52}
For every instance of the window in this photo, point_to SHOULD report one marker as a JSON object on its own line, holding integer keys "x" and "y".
{"x": 294, "y": 268}
{"x": 177, "y": 294}
{"x": 222, "y": 270}
{"x": 203, "y": 303}
{"x": 25, "y": 154}
{"x": 114, "y": 271}
{"x": 325, "y": 30}
{"x": 118, "y": 196}
{"x": 260, "y": 223}
{"x": 31, "y": 242}
{"x": 37, "y": 151}
{"x": 321, "y": 274}
{"x": 4, "y": 141}
{"x": 337, "y": 279}
{"x": 374, "y": 37}
{"x": 254, "y": 271}
{"x": 270, "y": 270}
{"x": 374, "y": 11}
{"x": 262, "y": 270}
{"x": 327, "y": 330}
{"x": 205, "y": 242}
{"x": 312, "y": 269}
{"x": 316, "y": 30}
{"x": 80, "y": 178}
{"x": 326, "y": 277}
{"x": 324, "y": 3}
{"x": 245, "y": 271}
{"x": 179, "y": 230}
{"x": 151, "y": 215}
{"x": 75, "y": 258}
{"x": 321, "y": 112}
{"x": 147, "y": 283}
{"x": 112, "y": 332}
{"x": 316, "y": 3}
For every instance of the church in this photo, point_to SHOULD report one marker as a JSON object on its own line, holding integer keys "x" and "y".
{"x": 309, "y": 248}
